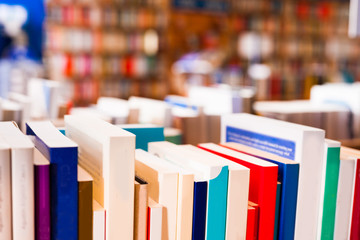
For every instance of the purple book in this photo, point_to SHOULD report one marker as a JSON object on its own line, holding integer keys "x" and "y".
{"x": 42, "y": 196}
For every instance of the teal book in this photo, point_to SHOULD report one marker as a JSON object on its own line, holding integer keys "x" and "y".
{"x": 277, "y": 210}
{"x": 145, "y": 133}
{"x": 332, "y": 165}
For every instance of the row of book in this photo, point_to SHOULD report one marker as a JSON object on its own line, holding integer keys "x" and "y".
{"x": 106, "y": 16}
{"x": 130, "y": 65}
{"x": 110, "y": 42}
{"x": 268, "y": 179}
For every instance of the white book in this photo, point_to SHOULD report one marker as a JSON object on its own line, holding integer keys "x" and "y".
{"x": 5, "y": 191}
{"x": 116, "y": 108}
{"x": 107, "y": 153}
{"x": 162, "y": 178}
{"x": 238, "y": 193}
{"x": 295, "y": 142}
{"x": 345, "y": 197}
{"x": 152, "y": 111}
{"x": 98, "y": 221}
{"x": 155, "y": 223}
{"x": 22, "y": 181}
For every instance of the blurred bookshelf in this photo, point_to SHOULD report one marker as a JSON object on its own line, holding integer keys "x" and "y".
{"x": 107, "y": 48}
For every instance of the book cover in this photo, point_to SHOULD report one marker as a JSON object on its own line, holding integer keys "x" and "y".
{"x": 5, "y": 191}
{"x": 263, "y": 183}
{"x": 62, "y": 155}
{"x": 199, "y": 210}
{"x": 292, "y": 141}
{"x": 85, "y": 198}
{"x": 331, "y": 177}
{"x": 106, "y": 152}
{"x": 42, "y": 196}
{"x": 140, "y": 208}
{"x": 22, "y": 181}
{"x": 288, "y": 175}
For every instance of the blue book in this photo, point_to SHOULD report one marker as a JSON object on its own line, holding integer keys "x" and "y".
{"x": 277, "y": 210}
{"x": 199, "y": 210}
{"x": 288, "y": 175}
{"x": 62, "y": 154}
{"x": 145, "y": 133}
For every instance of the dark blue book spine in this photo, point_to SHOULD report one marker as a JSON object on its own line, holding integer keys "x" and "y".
{"x": 63, "y": 189}
{"x": 199, "y": 210}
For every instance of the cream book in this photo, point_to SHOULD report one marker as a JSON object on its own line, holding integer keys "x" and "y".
{"x": 5, "y": 191}
{"x": 22, "y": 181}
{"x": 155, "y": 223}
{"x": 237, "y": 194}
{"x": 99, "y": 213}
{"x": 292, "y": 141}
{"x": 162, "y": 178}
{"x": 107, "y": 153}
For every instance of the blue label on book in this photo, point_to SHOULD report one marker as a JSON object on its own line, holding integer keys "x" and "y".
{"x": 281, "y": 147}
{"x": 205, "y": 5}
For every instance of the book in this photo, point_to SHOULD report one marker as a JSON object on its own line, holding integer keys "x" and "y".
{"x": 25, "y": 103}
{"x": 99, "y": 222}
{"x": 152, "y": 111}
{"x": 288, "y": 175}
{"x": 155, "y": 220}
{"x": 173, "y": 135}
{"x": 355, "y": 218}
{"x": 162, "y": 178}
{"x": 215, "y": 173}
{"x": 42, "y": 196}
{"x": 237, "y": 193}
{"x": 22, "y": 181}
{"x": 85, "y": 198}
{"x": 11, "y": 111}
{"x": 100, "y": 145}
{"x": 277, "y": 210}
{"x": 5, "y": 191}
{"x": 345, "y": 197}
{"x": 263, "y": 183}
{"x": 144, "y": 133}
{"x": 199, "y": 209}
{"x": 252, "y": 221}
{"x": 62, "y": 155}
{"x": 295, "y": 142}
{"x": 117, "y": 109}
{"x": 329, "y": 191}
{"x": 140, "y": 208}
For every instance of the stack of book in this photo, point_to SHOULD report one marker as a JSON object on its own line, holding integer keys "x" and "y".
{"x": 267, "y": 179}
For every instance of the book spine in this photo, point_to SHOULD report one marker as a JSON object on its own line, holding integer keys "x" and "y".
{"x": 355, "y": 220}
{"x": 217, "y": 205}
{"x": 288, "y": 203}
{"x": 42, "y": 202}
{"x": 5, "y": 195}
{"x": 22, "y": 176}
{"x": 199, "y": 211}
{"x": 251, "y": 221}
{"x": 64, "y": 193}
{"x": 85, "y": 210}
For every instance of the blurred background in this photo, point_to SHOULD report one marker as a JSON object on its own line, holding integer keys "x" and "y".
{"x": 266, "y": 49}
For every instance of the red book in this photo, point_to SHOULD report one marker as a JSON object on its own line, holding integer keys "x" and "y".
{"x": 263, "y": 184}
{"x": 252, "y": 221}
{"x": 355, "y": 219}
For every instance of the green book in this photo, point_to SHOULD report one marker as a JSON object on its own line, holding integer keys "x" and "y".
{"x": 277, "y": 210}
{"x": 330, "y": 186}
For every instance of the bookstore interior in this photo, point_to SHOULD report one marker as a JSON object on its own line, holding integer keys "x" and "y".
{"x": 179, "y": 119}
